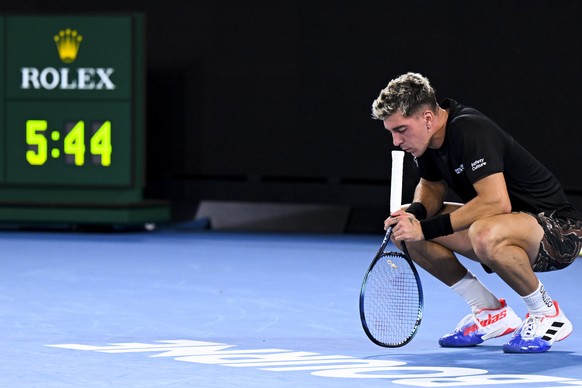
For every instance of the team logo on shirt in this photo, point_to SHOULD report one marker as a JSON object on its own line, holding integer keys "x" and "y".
{"x": 477, "y": 164}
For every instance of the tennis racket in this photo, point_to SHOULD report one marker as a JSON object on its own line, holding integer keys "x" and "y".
{"x": 391, "y": 299}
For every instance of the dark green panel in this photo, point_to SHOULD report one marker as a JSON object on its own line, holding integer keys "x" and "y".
{"x": 72, "y": 126}
{"x": 2, "y": 108}
{"x": 138, "y": 213}
{"x": 101, "y": 68}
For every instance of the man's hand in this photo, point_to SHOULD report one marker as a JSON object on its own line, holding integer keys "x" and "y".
{"x": 405, "y": 227}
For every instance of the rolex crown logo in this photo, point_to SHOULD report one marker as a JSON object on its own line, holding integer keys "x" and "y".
{"x": 68, "y": 42}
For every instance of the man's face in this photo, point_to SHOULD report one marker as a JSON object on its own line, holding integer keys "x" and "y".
{"x": 409, "y": 133}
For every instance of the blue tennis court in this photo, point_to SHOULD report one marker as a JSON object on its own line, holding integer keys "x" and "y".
{"x": 191, "y": 308}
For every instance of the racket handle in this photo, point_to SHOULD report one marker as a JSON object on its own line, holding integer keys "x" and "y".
{"x": 386, "y": 238}
{"x": 396, "y": 180}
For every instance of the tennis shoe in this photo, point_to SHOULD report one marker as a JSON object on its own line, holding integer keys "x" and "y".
{"x": 537, "y": 333}
{"x": 481, "y": 326}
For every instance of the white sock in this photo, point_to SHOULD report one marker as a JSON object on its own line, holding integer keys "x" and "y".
{"x": 475, "y": 293}
{"x": 539, "y": 302}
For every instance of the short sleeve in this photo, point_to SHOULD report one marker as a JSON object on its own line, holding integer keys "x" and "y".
{"x": 480, "y": 145}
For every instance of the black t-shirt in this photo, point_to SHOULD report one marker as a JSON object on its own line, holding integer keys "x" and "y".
{"x": 476, "y": 147}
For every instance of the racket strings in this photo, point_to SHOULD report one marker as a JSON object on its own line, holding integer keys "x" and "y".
{"x": 392, "y": 300}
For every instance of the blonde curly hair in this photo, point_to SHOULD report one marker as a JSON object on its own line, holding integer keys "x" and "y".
{"x": 406, "y": 94}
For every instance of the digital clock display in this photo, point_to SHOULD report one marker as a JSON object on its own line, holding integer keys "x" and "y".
{"x": 73, "y": 143}
{"x": 59, "y": 148}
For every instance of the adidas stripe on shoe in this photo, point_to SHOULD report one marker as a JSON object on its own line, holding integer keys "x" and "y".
{"x": 481, "y": 326}
{"x": 537, "y": 334}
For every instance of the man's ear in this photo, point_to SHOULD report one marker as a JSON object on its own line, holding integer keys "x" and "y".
{"x": 428, "y": 116}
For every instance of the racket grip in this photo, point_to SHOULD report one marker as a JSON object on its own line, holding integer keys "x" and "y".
{"x": 387, "y": 236}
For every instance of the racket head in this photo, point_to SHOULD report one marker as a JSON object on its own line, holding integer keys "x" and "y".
{"x": 391, "y": 300}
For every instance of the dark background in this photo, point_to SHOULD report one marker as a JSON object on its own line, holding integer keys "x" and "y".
{"x": 269, "y": 101}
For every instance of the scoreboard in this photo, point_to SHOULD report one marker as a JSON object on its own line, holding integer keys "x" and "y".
{"x": 72, "y": 136}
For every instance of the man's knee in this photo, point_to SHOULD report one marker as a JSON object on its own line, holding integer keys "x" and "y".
{"x": 486, "y": 237}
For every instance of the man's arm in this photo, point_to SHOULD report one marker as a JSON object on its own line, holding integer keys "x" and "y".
{"x": 431, "y": 195}
{"x": 492, "y": 199}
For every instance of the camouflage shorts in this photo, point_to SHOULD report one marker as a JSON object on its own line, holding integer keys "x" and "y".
{"x": 561, "y": 243}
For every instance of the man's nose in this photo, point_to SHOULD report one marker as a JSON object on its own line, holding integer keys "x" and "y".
{"x": 396, "y": 139}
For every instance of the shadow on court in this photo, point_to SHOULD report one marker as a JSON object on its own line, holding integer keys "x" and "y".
{"x": 493, "y": 359}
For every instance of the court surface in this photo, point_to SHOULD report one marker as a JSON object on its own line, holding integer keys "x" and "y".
{"x": 183, "y": 308}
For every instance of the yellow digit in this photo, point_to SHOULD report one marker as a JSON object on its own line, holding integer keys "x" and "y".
{"x": 35, "y": 138}
{"x": 101, "y": 143}
{"x": 74, "y": 143}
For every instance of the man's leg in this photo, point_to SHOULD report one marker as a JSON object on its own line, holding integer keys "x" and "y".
{"x": 490, "y": 316}
{"x": 509, "y": 244}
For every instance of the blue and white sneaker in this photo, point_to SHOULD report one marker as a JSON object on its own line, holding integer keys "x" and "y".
{"x": 481, "y": 326}
{"x": 537, "y": 334}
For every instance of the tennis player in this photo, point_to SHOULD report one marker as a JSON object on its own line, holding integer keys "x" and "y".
{"x": 515, "y": 218}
